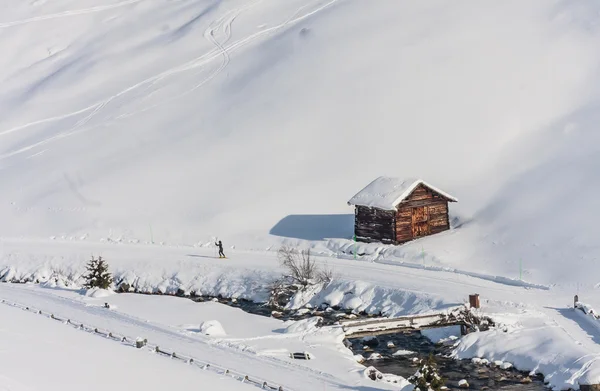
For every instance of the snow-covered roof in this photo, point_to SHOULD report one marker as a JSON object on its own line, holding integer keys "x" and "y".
{"x": 386, "y": 192}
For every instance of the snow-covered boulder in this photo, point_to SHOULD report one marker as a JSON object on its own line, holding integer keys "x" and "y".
{"x": 213, "y": 328}
{"x": 398, "y": 381}
{"x": 302, "y": 326}
{"x": 403, "y": 352}
{"x": 375, "y": 356}
{"x": 98, "y": 293}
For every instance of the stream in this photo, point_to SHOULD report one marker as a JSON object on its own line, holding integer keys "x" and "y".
{"x": 399, "y": 351}
{"x": 411, "y": 345}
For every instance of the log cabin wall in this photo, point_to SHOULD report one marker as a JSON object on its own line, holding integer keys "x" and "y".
{"x": 374, "y": 225}
{"x": 423, "y": 213}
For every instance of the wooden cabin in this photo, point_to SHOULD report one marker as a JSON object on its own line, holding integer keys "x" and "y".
{"x": 392, "y": 210}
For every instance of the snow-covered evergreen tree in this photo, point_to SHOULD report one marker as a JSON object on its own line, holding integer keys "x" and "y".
{"x": 98, "y": 275}
{"x": 427, "y": 377}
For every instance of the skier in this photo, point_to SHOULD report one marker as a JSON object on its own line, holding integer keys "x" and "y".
{"x": 221, "y": 253}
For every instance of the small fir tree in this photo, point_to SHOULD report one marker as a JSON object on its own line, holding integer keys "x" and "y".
{"x": 98, "y": 275}
{"x": 427, "y": 377}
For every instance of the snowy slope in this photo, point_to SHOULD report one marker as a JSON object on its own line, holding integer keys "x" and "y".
{"x": 182, "y": 120}
{"x": 63, "y": 358}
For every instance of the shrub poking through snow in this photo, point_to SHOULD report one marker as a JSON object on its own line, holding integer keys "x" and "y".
{"x": 98, "y": 275}
{"x": 301, "y": 273}
{"x": 427, "y": 377}
{"x": 301, "y": 267}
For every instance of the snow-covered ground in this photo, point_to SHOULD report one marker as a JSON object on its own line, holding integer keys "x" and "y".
{"x": 247, "y": 344}
{"x": 141, "y": 130}
{"x": 41, "y": 354}
{"x": 536, "y": 320}
{"x": 256, "y": 120}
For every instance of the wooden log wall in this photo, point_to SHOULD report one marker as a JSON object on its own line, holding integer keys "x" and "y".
{"x": 437, "y": 212}
{"x": 374, "y": 225}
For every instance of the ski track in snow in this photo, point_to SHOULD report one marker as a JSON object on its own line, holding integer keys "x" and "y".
{"x": 220, "y": 51}
{"x": 68, "y": 13}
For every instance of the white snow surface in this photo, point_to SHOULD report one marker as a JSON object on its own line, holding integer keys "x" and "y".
{"x": 542, "y": 333}
{"x": 541, "y": 346}
{"x": 387, "y": 192}
{"x": 143, "y": 130}
{"x": 178, "y": 122}
{"x": 41, "y": 354}
{"x": 257, "y": 346}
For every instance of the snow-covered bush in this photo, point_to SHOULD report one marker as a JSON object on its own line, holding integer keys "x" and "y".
{"x": 98, "y": 275}
{"x": 302, "y": 268}
{"x": 301, "y": 273}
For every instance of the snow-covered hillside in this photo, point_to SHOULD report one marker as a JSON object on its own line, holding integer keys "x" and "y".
{"x": 177, "y": 121}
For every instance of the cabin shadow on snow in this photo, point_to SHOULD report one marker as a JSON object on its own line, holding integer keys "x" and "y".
{"x": 315, "y": 227}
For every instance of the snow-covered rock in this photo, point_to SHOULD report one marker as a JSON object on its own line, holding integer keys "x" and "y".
{"x": 302, "y": 326}
{"x": 403, "y": 352}
{"x": 212, "y": 328}
{"x": 99, "y": 293}
{"x": 442, "y": 334}
{"x": 398, "y": 381}
{"x": 375, "y": 356}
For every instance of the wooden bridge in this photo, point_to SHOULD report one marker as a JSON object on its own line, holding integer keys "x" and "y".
{"x": 368, "y": 327}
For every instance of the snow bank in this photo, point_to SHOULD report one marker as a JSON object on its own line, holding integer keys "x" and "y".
{"x": 395, "y": 380}
{"x": 587, "y": 309}
{"x": 99, "y": 293}
{"x": 360, "y": 296}
{"x": 534, "y": 346}
{"x": 144, "y": 277}
{"x": 302, "y": 326}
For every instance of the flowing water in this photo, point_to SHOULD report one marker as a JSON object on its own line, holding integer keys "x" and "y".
{"x": 412, "y": 345}
{"x": 415, "y": 345}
